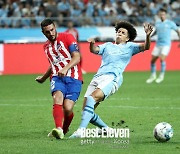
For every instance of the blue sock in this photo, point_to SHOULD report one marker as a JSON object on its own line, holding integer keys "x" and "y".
{"x": 163, "y": 66}
{"x": 88, "y": 112}
{"x": 96, "y": 120}
{"x": 153, "y": 68}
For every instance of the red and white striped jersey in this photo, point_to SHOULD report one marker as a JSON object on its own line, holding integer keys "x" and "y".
{"x": 59, "y": 55}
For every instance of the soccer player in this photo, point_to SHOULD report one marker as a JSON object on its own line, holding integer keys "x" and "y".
{"x": 109, "y": 77}
{"x": 163, "y": 45}
{"x": 63, "y": 55}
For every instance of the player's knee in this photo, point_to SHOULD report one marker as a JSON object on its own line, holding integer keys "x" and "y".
{"x": 68, "y": 111}
{"x": 98, "y": 95}
{"x": 67, "y": 108}
{"x": 162, "y": 58}
{"x": 57, "y": 98}
{"x": 97, "y": 98}
{"x": 153, "y": 60}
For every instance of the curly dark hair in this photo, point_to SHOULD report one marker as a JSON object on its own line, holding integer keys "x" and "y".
{"x": 132, "y": 33}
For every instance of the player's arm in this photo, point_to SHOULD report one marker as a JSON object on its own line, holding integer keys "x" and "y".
{"x": 148, "y": 30}
{"x": 43, "y": 78}
{"x": 75, "y": 55}
{"x": 74, "y": 61}
{"x": 93, "y": 48}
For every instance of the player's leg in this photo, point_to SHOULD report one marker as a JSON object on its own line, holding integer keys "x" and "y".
{"x": 68, "y": 114}
{"x": 57, "y": 88}
{"x": 155, "y": 55}
{"x": 88, "y": 111}
{"x": 84, "y": 104}
{"x": 107, "y": 88}
{"x": 94, "y": 95}
{"x": 163, "y": 68}
{"x": 73, "y": 87}
{"x": 96, "y": 120}
{"x": 164, "y": 53}
{"x": 99, "y": 88}
{"x": 58, "y": 115}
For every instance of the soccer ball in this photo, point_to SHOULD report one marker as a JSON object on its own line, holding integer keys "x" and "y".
{"x": 163, "y": 132}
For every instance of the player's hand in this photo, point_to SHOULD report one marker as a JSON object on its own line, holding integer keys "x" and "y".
{"x": 62, "y": 72}
{"x": 40, "y": 79}
{"x": 91, "y": 40}
{"x": 148, "y": 28}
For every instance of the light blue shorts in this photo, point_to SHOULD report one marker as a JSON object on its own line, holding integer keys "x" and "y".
{"x": 108, "y": 83}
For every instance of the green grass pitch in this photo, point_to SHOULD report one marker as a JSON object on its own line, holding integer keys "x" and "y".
{"x": 26, "y": 119}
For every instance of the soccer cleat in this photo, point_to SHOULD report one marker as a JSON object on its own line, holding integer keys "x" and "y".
{"x": 57, "y": 133}
{"x": 50, "y": 135}
{"x": 151, "y": 78}
{"x": 76, "y": 134}
{"x": 160, "y": 78}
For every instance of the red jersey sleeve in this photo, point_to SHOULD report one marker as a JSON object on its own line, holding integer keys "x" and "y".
{"x": 70, "y": 39}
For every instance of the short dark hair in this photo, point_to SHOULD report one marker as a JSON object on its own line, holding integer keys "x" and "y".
{"x": 46, "y": 22}
{"x": 162, "y": 10}
{"x": 129, "y": 27}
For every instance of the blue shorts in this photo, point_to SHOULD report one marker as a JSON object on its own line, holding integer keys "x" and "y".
{"x": 70, "y": 87}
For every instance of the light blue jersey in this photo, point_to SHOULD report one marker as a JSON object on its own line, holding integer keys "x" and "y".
{"x": 163, "y": 30}
{"x": 115, "y": 57}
